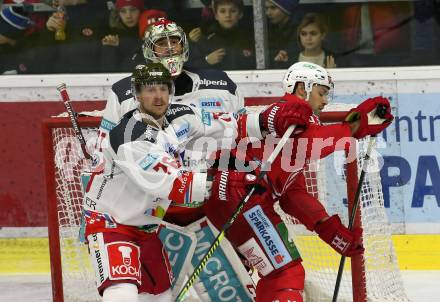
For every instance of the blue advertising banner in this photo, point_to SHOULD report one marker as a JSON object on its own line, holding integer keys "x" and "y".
{"x": 411, "y": 160}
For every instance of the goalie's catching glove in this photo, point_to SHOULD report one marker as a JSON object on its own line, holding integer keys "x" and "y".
{"x": 279, "y": 116}
{"x": 340, "y": 238}
{"x": 374, "y": 115}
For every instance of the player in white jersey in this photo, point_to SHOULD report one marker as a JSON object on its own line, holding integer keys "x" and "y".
{"x": 166, "y": 43}
{"x": 208, "y": 89}
{"x": 142, "y": 159}
{"x": 211, "y": 90}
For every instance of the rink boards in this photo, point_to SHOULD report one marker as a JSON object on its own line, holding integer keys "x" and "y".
{"x": 31, "y": 255}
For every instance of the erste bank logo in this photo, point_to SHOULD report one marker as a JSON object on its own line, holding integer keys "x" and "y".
{"x": 211, "y": 103}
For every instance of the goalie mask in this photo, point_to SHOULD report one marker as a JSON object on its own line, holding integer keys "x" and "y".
{"x": 308, "y": 73}
{"x": 160, "y": 45}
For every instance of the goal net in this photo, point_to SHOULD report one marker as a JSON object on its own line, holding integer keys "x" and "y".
{"x": 373, "y": 276}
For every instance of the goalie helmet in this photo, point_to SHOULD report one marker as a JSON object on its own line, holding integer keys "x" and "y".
{"x": 150, "y": 74}
{"x": 165, "y": 29}
{"x": 308, "y": 73}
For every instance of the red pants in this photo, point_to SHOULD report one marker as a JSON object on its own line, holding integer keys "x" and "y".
{"x": 121, "y": 258}
{"x": 260, "y": 235}
{"x": 283, "y": 286}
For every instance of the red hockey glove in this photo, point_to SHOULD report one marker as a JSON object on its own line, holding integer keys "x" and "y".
{"x": 341, "y": 239}
{"x": 231, "y": 186}
{"x": 372, "y": 122}
{"x": 279, "y": 116}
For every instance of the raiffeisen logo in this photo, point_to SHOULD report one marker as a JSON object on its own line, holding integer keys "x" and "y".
{"x": 213, "y": 83}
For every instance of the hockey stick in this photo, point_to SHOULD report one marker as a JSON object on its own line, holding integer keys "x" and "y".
{"x": 72, "y": 115}
{"x": 221, "y": 235}
{"x": 380, "y": 111}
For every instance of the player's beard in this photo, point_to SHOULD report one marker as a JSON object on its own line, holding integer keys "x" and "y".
{"x": 153, "y": 117}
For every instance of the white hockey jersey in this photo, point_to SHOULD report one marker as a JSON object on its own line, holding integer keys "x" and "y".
{"x": 210, "y": 90}
{"x": 143, "y": 165}
{"x": 207, "y": 89}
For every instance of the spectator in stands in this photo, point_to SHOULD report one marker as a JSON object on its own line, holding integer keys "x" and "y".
{"x": 122, "y": 42}
{"x": 311, "y": 33}
{"x": 376, "y": 34}
{"x": 283, "y": 47}
{"x": 84, "y": 23}
{"x": 207, "y": 13}
{"x": 149, "y": 17}
{"x": 426, "y": 23}
{"x": 225, "y": 45}
{"x": 13, "y": 23}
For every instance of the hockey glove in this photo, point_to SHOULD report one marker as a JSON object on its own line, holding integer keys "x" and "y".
{"x": 341, "y": 239}
{"x": 231, "y": 186}
{"x": 371, "y": 120}
{"x": 279, "y": 116}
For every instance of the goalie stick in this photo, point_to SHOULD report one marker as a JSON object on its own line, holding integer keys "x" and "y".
{"x": 380, "y": 111}
{"x": 72, "y": 115}
{"x": 215, "y": 244}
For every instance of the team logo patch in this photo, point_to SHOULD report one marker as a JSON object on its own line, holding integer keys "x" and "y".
{"x": 172, "y": 66}
{"x": 98, "y": 162}
{"x": 268, "y": 236}
{"x": 124, "y": 261}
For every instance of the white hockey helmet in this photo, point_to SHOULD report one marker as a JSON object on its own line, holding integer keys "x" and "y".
{"x": 308, "y": 73}
{"x": 164, "y": 28}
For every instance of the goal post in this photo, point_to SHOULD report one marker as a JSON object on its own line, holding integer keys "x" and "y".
{"x": 373, "y": 276}
{"x": 54, "y": 131}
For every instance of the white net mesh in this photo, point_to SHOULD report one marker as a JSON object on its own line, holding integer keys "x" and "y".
{"x": 78, "y": 274}
{"x": 325, "y": 180}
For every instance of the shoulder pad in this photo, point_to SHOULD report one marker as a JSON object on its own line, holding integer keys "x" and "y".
{"x": 122, "y": 89}
{"x": 129, "y": 130}
{"x": 178, "y": 110}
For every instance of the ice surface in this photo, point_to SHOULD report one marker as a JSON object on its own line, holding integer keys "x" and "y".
{"x": 421, "y": 286}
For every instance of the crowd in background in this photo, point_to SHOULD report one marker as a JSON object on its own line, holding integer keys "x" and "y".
{"x": 84, "y": 36}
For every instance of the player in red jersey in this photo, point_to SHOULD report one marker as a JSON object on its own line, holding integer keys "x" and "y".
{"x": 259, "y": 233}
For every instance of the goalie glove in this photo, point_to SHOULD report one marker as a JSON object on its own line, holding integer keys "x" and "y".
{"x": 341, "y": 239}
{"x": 280, "y": 115}
{"x": 374, "y": 115}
